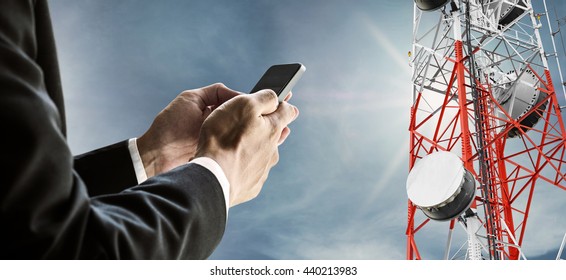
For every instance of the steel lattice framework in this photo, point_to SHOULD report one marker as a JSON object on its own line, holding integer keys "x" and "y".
{"x": 465, "y": 59}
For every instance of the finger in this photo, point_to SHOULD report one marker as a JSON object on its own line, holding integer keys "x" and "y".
{"x": 284, "y": 115}
{"x": 288, "y": 97}
{"x": 275, "y": 158}
{"x": 284, "y": 134}
{"x": 266, "y": 101}
{"x": 216, "y": 94}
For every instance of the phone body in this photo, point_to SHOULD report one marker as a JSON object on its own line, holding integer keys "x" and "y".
{"x": 280, "y": 78}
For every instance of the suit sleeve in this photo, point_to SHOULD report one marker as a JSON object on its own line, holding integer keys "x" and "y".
{"x": 45, "y": 208}
{"x": 106, "y": 170}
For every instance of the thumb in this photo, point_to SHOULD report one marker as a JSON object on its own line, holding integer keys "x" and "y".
{"x": 216, "y": 94}
{"x": 266, "y": 101}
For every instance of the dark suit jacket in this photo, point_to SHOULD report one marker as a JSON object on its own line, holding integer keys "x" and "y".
{"x": 58, "y": 207}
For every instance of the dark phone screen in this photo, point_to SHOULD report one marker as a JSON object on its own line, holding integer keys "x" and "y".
{"x": 277, "y": 77}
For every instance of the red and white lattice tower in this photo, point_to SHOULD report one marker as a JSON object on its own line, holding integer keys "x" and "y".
{"x": 486, "y": 127}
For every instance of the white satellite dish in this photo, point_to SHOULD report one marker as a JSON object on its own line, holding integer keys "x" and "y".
{"x": 507, "y": 10}
{"x": 430, "y": 5}
{"x": 520, "y": 98}
{"x": 440, "y": 186}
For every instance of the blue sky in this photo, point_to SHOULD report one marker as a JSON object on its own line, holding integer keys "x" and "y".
{"x": 338, "y": 191}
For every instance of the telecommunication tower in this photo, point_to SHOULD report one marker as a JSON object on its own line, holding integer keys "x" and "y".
{"x": 486, "y": 126}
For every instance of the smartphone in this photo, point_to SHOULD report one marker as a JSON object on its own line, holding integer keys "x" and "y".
{"x": 280, "y": 78}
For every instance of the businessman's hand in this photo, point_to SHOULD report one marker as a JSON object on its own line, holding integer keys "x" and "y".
{"x": 173, "y": 136}
{"x": 243, "y": 136}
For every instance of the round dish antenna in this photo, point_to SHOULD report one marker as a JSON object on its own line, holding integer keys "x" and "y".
{"x": 520, "y": 98}
{"x": 440, "y": 186}
{"x": 430, "y": 5}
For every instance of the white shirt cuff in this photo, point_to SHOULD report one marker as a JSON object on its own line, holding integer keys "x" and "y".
{"x": 205, "y": 162}
{"x": 215, "y": 168}
{"x": 136, "y": 160}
